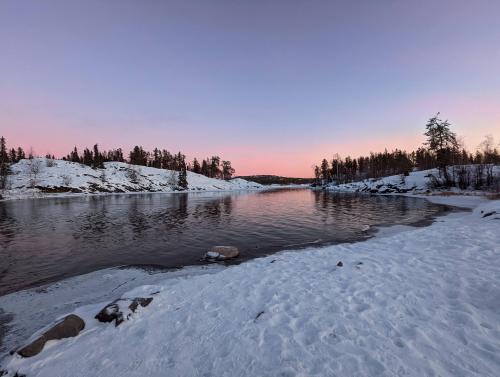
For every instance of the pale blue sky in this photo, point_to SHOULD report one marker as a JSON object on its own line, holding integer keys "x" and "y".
{"x": 288, "y": 81}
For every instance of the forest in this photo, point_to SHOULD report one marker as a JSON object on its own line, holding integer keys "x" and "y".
{"x": 441, "y": 149}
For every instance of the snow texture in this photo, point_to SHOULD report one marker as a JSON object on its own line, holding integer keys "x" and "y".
{"x": 423, "y": 302}
{"x": 62, "y": 178}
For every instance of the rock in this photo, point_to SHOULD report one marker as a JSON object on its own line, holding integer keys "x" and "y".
{"x": 222, "y": 252}
{"x": 340, "y": 264}
{"x": 121, "y": 309}
{"x": 489, "y": 213}
{"x": 69, "y": 327}
{"x": 139, "y": 301}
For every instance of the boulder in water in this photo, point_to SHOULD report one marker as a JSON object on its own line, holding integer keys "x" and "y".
{"x": 222, "y": 253}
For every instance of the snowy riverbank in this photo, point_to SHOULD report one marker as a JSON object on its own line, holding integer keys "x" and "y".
{"x": 48, "y": 178}
{"x": 417, "y": 182}
{"x": 423, "y": 302}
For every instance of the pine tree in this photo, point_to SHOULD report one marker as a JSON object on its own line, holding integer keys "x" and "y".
{"x": 13, "y": 155}
{"x": 4, "y": 157}
{"x": 325, "y": 171}
{"x": 88, "y": 159}
{"x": 441, "y": 140}
{"x": 4, "y": 163}
{"x": 20, "y": 154}
{"x": 204, "y": 168}
{"x": 196, "y": 166}
{"x": 73, "y": 156}
{"x": 98, "y": 161}
{"x": 214, "y": 167}
{"x": 138, "y": 156}
{"x": 227, "y": 170}
{"x": 182, "y": 182}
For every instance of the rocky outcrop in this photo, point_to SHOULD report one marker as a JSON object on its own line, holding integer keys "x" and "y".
{"x": 69, "y": 327}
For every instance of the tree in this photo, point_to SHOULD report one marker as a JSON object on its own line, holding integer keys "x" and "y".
{"x": 214, "y": 167}
{"x": 317, "y": 175}
{"x": 34, "y": 168}
{"x": 98, "y": 161}
{"x": 489, "y": 150}
{"x": 88, "y": 158}
{"x": 441, "y": 140}
{"x": 325, "y": 174}
{"x": 196, "y": 166}
{"x": 73, "y": 156}
{"x": 132, "y": 174}
{"x": 205, "y": 170}
{"x": 4, "y": 157}
{"x": 13, "y": 155}
{"x": 138, "y": 156}
{"x": 4, "y": 163}
{"x": 182, "y": 182}
{"x": 227, "y": 170}
{"x": 20, "y": 154}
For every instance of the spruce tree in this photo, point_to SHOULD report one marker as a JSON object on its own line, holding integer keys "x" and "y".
{"x": 98, "y": 161}
{"x": 4, "y": 157}
{"x": 13, "y": 155}
{"x": 182, "y": 182}
{"x": 325, "y": 171}
{"x": 204, "y": 168}
{"x": 4, "y": 163}
{"x": 196, "y": 166}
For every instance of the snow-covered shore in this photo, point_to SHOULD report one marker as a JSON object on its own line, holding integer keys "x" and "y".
{"x": 417, "y": 182}
{"x": 47, "y": 178}
{"x": 423, "y": 302}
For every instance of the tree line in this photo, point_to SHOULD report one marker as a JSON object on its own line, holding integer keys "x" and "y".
{"x": 440, "y": 150}
{"x": 212, "y": 167}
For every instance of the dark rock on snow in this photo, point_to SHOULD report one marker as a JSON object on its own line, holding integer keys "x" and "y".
{"x": 340, "y": 264}
{"x": 120, "y": 310}
{"x": 69, "y": 327}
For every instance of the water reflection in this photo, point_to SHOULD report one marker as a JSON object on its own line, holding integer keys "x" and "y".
{"x": 43, "y": 240}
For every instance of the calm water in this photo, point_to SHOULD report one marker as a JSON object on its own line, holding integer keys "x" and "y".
{"x": 49, "y": 239}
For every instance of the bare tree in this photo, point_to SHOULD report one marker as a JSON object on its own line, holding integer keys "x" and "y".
{"x": 133, "y": 174}
{"x": 34, "y": 167}
{"x": 172, "y": 178}
{"x": 102, "y": 177}
{"x": 66, "y": 180}
{"x": 50, "y": 162}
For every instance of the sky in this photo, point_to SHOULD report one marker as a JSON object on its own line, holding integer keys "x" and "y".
{"x": 273, "y": 86}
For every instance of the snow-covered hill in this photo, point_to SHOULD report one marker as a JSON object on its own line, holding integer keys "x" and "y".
{"x": 416, "y": 182}
{"x": 42, "y": 177}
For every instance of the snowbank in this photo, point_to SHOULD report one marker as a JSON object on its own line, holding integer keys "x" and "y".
{"x": 58, "y": 177}
{"x": 425, "y": 302}
{"x": 416, "y": 182}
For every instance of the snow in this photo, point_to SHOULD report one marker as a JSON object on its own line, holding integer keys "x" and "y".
{"x": 65, "y": 178}
{"x": 423, "y": 302}
{"x": 416, "y": 182}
